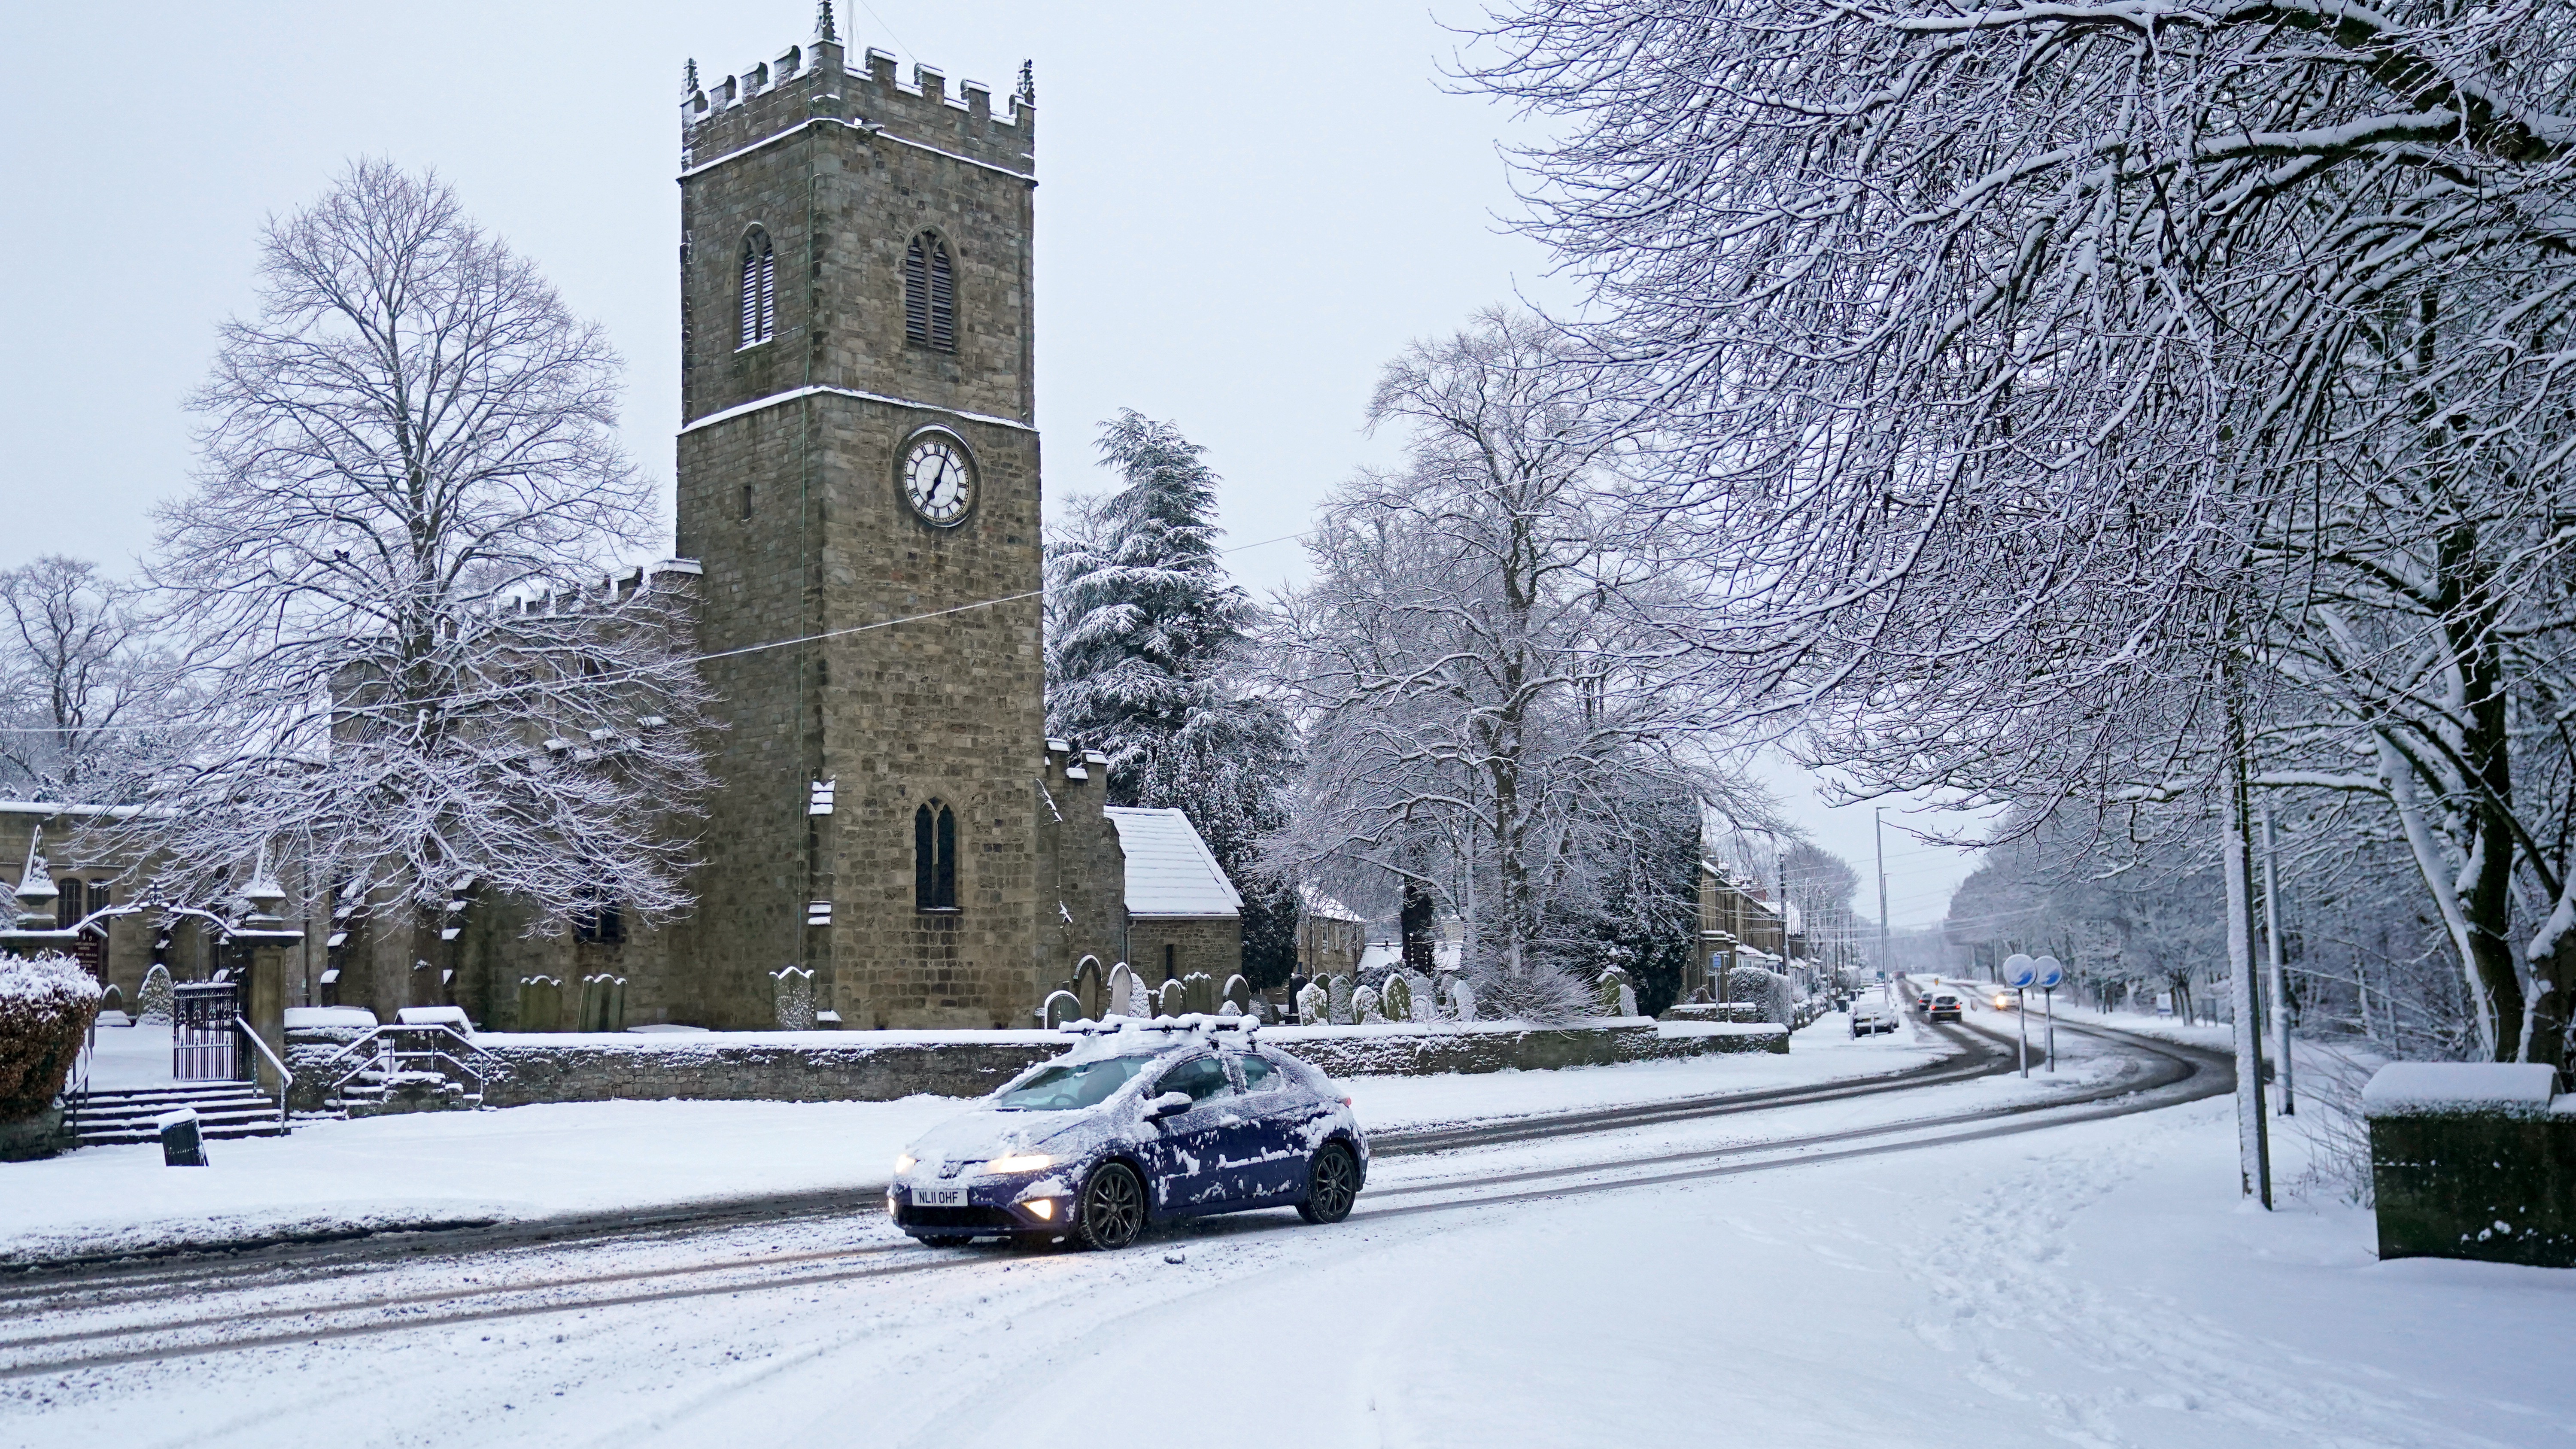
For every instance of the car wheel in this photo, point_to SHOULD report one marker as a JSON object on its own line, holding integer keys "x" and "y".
{"x": 1111, "y": 1211}
{"x": 945, "y": 1240}
{"x": 1332, "y": 1180}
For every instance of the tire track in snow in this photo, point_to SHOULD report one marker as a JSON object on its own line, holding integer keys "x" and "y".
{"x": 1713, "y": 1163}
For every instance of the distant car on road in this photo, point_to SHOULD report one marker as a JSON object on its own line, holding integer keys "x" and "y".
{"x": 1133, "y": 1127}
{"x": 1869, "y": 1018}
{"x": 1943, "y": 1006}
{"x": 2003, "y": 1001}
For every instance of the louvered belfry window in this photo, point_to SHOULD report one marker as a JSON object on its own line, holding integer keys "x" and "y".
{"x": 759, "y": 287}
{"x": 929, "y": 294}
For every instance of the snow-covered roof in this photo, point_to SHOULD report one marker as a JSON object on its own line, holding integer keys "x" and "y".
{"x": 1324, "y": 907}
{"x": 1170, "y": 871}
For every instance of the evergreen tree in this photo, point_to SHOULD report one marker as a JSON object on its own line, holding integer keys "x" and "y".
{"x": 1146, "y": 650}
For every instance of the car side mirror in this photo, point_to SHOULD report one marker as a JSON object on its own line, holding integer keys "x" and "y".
{"x": 1170, "y": 1104}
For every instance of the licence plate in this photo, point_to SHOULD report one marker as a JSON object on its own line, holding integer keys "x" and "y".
{"x": 939, "y": 1197}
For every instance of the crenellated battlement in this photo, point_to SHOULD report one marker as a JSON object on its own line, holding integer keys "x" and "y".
{"x": 812, "y": 84}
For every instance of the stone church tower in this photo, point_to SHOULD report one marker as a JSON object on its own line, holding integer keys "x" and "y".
{"x": 859, "y": 449}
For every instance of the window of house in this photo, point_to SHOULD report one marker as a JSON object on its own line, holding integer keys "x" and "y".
{"x": 1171, "y": 960}
{"x": 934, "y": 858}
{"x": 929, "y": 294}
{"x": 759, "y": 287}
{"x": 67, "y": 906}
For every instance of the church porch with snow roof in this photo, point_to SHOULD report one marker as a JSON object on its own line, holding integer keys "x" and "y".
{"x": 1183, "y": 915}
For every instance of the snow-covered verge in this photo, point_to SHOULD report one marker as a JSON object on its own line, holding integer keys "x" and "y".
{"x": 537, "y": 1161}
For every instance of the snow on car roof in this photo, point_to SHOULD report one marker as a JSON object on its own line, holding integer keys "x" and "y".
{"x": 1170, "y": 871}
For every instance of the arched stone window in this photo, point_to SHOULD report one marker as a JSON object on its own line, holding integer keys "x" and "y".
{"x": 759, "y": 287}
{"x": 929, "y": 293}
{"x": 934, "y": 858}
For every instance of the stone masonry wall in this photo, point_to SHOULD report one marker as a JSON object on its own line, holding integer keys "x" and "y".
{"x": 845, "y": 1067}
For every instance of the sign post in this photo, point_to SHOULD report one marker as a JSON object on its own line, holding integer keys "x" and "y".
{"x": 2048, "y": 973}
{"x": 2019, "y": 972}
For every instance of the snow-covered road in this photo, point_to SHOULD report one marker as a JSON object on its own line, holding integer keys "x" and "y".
{"x": 2088, "y": 1284}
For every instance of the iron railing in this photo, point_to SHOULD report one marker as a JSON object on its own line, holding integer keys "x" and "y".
{"x": 392, "y": 1052}
{"x": 285, "y": 1078}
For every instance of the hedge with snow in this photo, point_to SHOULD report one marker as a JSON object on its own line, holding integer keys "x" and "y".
{"x": 46, "y": 1003}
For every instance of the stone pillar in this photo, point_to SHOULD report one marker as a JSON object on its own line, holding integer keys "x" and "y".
{"x": 264, "y": 1002}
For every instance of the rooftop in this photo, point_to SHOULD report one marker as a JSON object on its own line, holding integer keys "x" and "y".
{"x": 1170, "y": 871}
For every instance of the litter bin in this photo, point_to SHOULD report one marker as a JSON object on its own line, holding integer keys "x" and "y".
{"x": 181, "y": 1143}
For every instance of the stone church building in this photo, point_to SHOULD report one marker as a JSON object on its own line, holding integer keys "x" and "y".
{"x": 858, "y": 500}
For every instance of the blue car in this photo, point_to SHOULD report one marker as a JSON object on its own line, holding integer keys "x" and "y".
{"x": 1138, "y": 1125}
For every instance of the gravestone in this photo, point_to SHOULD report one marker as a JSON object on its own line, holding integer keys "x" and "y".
{"x": 540, "y": 1004}
{"x": 793, "y": 997}
{"x": 1121, "y": 997}
{"x": 1200, "y": 992}
{"x": 1462, "y": 997}
{"x": 603, "y": 1003}
{"x": 1397, "y": 999}
{"x": 1312, "y": 1004}
{"x": 1175, "y": 999}
{"x": 1239, "y": 991}
{"x": 1364, "y": 1006}
{"x": 1061, "y": 1007}
{"x": 1089, "y": 987}
{"x": 1340, "y": 987}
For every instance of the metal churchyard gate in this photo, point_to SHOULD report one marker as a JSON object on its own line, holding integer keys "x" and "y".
{"x": 206, "y": 1043}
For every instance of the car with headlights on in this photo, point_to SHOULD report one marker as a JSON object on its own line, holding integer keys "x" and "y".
{"x": 1138, "y": 1125}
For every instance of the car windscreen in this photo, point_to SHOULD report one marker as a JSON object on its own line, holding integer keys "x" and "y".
{"x": 1066, "y": 1087}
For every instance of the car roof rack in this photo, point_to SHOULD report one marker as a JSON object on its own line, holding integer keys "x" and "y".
{"x": 1190, "y": 1021}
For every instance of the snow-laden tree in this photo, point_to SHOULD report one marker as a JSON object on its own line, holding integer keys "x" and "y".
{"x": 1494, "y": 705}
{"x": 2043, "y": 378}
{"x": 77, "y": 709}
{"x": 1148, "y": 663}
{"x": 411, "y": 435}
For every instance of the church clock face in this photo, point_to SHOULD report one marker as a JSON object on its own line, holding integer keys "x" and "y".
{"x": 938, "y": 480}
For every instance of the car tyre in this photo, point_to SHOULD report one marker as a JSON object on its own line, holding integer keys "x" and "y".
{"x": 1110, "y": 1211}
{"x": 1332, "y": 1181}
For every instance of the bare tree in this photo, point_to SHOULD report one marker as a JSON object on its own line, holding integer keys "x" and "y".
{"x": 1493, "y": 706}
{"x": 2100, "y": 405}
{"x": 75, "y": 711}
{"x": 409, "y": 442}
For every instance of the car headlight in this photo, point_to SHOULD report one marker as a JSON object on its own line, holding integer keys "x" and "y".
{"x": 1019, "y": 1162}
{"x": 904, "y": 1164}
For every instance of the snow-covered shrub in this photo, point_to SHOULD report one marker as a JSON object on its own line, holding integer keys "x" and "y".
{"x": 46, "y": 1003}
{"x": 1228, "y": 1008}
{"x": 2330, "y": 1121}
{"x": 1140, "y": 998}
{"x": 1462, "y": 1000}
{"x": 155, "y": 1002}
{"x": 1527, "y": 986}
{"x": 1767, "y": 990}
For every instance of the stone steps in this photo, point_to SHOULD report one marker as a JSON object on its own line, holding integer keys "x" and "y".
{"x": 117, "y": 1116}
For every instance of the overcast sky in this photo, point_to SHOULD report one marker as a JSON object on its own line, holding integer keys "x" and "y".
{"x": 1243, "y": 212}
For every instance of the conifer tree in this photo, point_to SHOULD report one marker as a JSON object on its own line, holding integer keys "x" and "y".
{"x": 1146, "y": 652}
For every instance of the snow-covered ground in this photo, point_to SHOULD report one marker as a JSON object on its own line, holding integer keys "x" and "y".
{"x": 2092, "y": 1284}
{"x": 527, "y": 1162}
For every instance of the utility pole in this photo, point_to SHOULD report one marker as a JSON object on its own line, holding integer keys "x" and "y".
{"x": 2276, "y": 981}
{"x": 1878, "y": 828}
